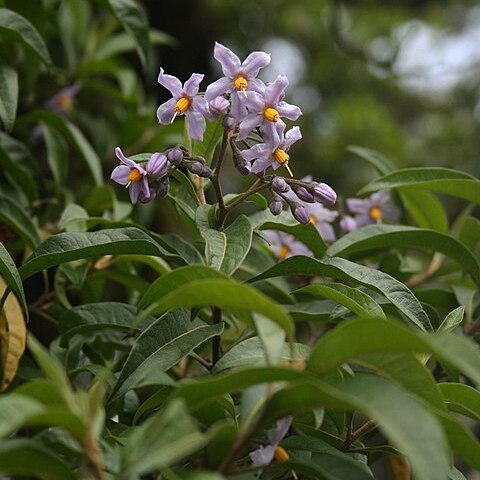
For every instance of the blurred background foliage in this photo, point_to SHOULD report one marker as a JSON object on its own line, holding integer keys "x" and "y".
{"x": 399, "y": 77}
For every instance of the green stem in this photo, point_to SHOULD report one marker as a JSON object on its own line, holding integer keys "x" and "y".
{"x": 216, "y": 341}
{"x": 254, "y": 188}
{"x": 216, "y": 180}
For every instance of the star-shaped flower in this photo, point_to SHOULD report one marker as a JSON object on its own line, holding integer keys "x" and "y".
{"x": 374, "y": 209}
{"x": 185, "y": 101}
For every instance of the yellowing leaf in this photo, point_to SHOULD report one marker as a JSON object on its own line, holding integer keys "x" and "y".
{"x": 12, "y": 337}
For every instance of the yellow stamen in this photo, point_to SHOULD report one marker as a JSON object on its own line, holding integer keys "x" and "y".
{"x": 284, "y": 251}
{"x": 313, "y": 219}
{"x": 182, "y": 105}
{"x": 65, "y": 102}
{"x": 240, "y": 83}
{"x": 281, "y": 156}
{"x": 134, "y": 176}
{"x": 375, "y": 213}
{"x": 281, "y": 455}
{"x": 271, "y": 114}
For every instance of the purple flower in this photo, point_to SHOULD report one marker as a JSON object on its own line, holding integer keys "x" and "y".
{"x": 64, "y": 100}
{"x": 273, "y": 153}
{"x": 266, "y": 108}
{"x": 239, "y": 77}
{"x": 157, "y": 165}
{"x": 374, "y": 209}
{"x": 218, "y": 106}
{"x": 185, "y": 101}
{"x": 133, "y": 175}
{"x": 284, "y": 245}
{"x": 325, "y": 194}
{"x": 348, "y": 224}
{"x": 321, "y": 218}
{"x": 264, "y": 455}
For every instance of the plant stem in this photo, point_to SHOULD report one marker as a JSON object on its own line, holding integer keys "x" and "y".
{"x": 355, "y": 435}
{"x": 254, "y": 188}
{"x": 419, "y": 278}
{"x": 216, "y": 180}
{"x": 216, "y": 341}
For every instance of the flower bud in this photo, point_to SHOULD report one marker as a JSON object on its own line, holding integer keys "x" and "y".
{"x": 301, "y": 213}
{"x": 175, "y": 156}
{"x": 201, "y": 170}
{"x": 348, "y": 224}
{"x": 229, "y": 123}
{"x": 157, "y": 165}
{"x": 325, "y": 194}
{"x": 219, "y": 106}
{"x": 276, "y": 207}
{"x": 162, "y": 190}
{"x": 243, "y": 167}
{"x": 143, "y": 198}
{"x": 304, "y": 194}
{"x": 279, "y": 185}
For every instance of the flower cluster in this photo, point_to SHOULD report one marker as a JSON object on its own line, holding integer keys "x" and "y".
{"x": 253, "y": 115}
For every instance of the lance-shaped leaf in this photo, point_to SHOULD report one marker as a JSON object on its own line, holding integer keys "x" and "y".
{"x": 355, "y": 300}
{"x": 29, "y": 458}
{"x": 436, "y": 179}
{"x": 162, "y": 345}
{"x": 225, "y": 250}
{"x": 224, "y": 294}
{"x": 9, "y": 271}
{"x": 461, "y": 398}
{"x": 175, "y": 279}
{"x": 211, "y": 138}
{"x": 133, "y": 19}
{"x": 378, "y": 161}
{"x": 8, "y": 95}
{"x": 396, "y": 292}
{"x": 380, "y": 336}
{"x": 15, "y": 410}
{"x": 397, "y": 413}
{"x": 65, "y": 247}
{"x": 20, "y": 29}
{"x": 373, "y": 237}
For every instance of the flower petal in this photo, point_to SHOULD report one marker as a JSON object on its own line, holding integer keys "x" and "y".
{"x": 276, "y": 90}
{"x": 254, "y": 63}
{"x": 120, "y": 174}
{"x": 276, "y": 434}
{"x": 261, "y": 164}
{"x": 124, "y": 159}
{"x": 228, "y": 60}
{"x": 251, "y": 121}
{"x": 356, "y": 205}
{"x": 326, "y": 231}
{"x": 260, "y": 150}
{"x": 262, "y": 456}
{"x": 192, "y": 84}
{"x": 379, "y": 198}
{"x": 256, "y": 85}
{"x": 221, "y": 86}
{"x": 238, "y": 109}
{"x": 200, "y": 105}
{"x": 171, "y": 83}
{"x": 292, "y": 136}
{"x": 196, "y": 125}
{"x": 292, "y": 112}
{"x": 255, "y": 101}
{"x": 134, "y": 190}
{"x": 165, "y": 111}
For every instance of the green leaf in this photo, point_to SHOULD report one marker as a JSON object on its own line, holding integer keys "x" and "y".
{"x": 398, "y": 294}
{"x": 226, "y": 250}
{"x": 251, "y": 353}
{"x": 373, "y": 237}
{"x": 381, "y": 164}
{"x": 425, "y": 208}
{"x": 133, "y": 19}
{"x": 375, "y": 336}
{"x": 9, "y": 271}
{"x": 65, "y": 247}
{"x": 16, "y": 217}
{"x": 76, "y": 137}
{"x": 20, "y": 29}
{"x": 469, "y": 233}
{"x": 462, "y": 399}
{"x": 436, "y": 179}
{"x": 352, "y": 298}
{"x": 29, "y": 458}
{"x": 330, "y": 462}
{"x": 224, "y": 294}
{"x": 397, "y": 413}
{"x": 96, "y": 316}
{"x": 15, "y": 410}
{"x": 57, "y": 153}
{"x": 211, "y": 137}
{"x": 175, "y": 279}
{"x": 8, "y": 95}
{"x": 162, "y": 345}
{"x": 452, "y": 320}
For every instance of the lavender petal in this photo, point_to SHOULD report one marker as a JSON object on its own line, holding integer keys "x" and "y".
{"x": 165, "y": 111}
{"x": 171, "y": 83}
{"x": 292, "y": 112}
{"x": 196, "y": 124}
{"x": 262, "y": 456}
{"x": 356, "y": 205}
{"x": 251, "y": 121}
{"x": 120, "y": 174}
{"x": 192, "y": 84}
{"x": 254, "y": 63}
{"x": 228, "y": 60}
{"x": 219, "y": 87}
{"x": 124, "y": 159}
{"x": 292, "y": 136}
{"x": 276, "y": 90}
{"x": 260, "y": 150}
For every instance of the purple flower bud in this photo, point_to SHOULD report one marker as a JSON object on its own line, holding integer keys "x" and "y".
{"x": 175, "y": 156}
{"x": 276, "y": 207}
{"x": 162, "y": 190}
{"x": 143, "y": 198}
{"x": 304, "y": 194}
{"x": 301, "y": 213}
{"x": 229, "y": 123}
{"x": 157, "y": 165}
{"x": 348, "y": 224}
{"x": 325, "y": 194}
{"x": 243, "y": 167}
{"x": 201, "y": 170}
{"x": 219, "y": 106}
{"x": 279, "y": 185}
